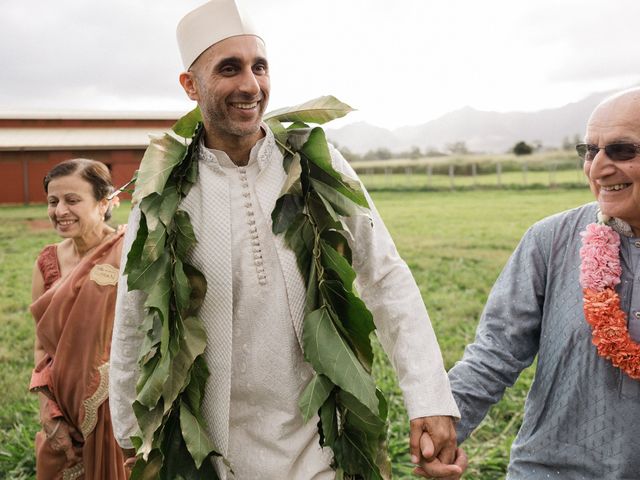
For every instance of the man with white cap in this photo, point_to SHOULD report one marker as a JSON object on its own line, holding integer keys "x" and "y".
{"x": 254, "y": 304}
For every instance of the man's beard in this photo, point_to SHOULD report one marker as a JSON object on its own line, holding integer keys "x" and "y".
{"x": 222, "y": 122}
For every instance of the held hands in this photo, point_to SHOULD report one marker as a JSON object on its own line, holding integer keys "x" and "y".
{"x": 129, "y": 457}
{"x": 61, "y": 437}
{"x": 433, "y": 449}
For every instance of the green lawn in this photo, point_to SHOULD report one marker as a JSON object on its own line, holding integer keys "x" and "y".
{"x": 455, "y": 243}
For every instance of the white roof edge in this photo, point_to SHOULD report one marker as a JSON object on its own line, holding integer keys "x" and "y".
{"x": 88, "y": 115}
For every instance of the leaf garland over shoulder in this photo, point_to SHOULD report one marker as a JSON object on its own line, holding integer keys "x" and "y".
{"x": 172, "y": 442}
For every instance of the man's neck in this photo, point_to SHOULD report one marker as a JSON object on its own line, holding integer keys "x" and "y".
{"x": 238, "y": 148}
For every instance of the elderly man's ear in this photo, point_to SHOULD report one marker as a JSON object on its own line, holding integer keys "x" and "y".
{"x": 188, "y": 82}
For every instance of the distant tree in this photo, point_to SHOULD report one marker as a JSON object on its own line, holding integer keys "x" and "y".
{"x": 378, "y": 154}
{"x": 458, "y": 148}
{"x": 433, "y": 152}
{"x": 383, "y": 153}
{"x": 414, "y": 153}
{"x": 349, "y": 155}
{"x": 522, "y": 148}
{"x": 570, "y": 143}
{"x": 577, "y": 138}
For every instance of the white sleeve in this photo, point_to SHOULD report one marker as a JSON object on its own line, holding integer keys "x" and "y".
{"x": 125, "y": 346}
{"x": 389, "y": 291}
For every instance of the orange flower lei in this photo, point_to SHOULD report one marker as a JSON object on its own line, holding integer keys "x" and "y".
{"x": 599, "y": 274}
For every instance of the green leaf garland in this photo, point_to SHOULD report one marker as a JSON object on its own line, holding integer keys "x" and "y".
{"x": 172, "y": 442}
{"x": 337, "y": 324}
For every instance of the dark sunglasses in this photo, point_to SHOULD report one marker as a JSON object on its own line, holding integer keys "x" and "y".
{"x": 615, "y": 151}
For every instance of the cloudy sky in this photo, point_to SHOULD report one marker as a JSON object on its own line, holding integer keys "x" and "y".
{"x": 399, "y": 62}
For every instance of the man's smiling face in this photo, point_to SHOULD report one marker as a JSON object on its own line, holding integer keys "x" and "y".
{"x": 231, "y": 83}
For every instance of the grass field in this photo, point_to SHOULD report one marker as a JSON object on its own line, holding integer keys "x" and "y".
{"x": 455, "y": 243}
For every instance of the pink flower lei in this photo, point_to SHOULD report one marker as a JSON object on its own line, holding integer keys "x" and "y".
{"x": 599, "y": 274}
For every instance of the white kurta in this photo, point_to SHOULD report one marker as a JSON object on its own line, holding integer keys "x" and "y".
{"x": 267, "y": 437}
{"x": 253, "y": 314}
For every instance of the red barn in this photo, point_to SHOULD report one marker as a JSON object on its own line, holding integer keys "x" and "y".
{"x": 31, "y": 144}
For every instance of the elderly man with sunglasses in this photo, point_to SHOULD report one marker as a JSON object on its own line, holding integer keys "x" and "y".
{"x": 570, "y": 294}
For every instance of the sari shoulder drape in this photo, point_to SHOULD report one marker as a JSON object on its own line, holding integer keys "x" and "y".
{"x": 48, "y": 265}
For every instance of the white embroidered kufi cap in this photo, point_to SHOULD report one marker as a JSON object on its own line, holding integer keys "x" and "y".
{"x": 210, "y": 23}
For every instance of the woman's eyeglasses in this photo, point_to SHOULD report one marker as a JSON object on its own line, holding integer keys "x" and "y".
{"x": 615, "y": 151}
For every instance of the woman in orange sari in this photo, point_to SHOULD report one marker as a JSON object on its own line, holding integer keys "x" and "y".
{"x": 74, "y": 290}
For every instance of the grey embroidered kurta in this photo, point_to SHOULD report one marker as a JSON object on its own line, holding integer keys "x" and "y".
{"x": 582, "y": 414}
{"x": 383, "y": 280}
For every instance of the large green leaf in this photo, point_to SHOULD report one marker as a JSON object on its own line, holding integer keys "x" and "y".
{"x": 287, "y": 209}
{"x": 316, "y": 150}
{"x": 149, "y": 420}
{"x": 299, "y": 237}
{"x": 354, "y": 317}
{"x": 152, "y": 326}
{"x": 360, "y": 416}
{"x": 340, "y": 203}
{"x": 341, "y": 183}
{"x": 279, "y": 132}
{"x": 169, "y": 205}
{"x": 198, "y": 379}
{"x": 160, "y": 290}
{"x": 312, "y": 298}
{"x": 314, "y": 395}
{"x": 322, "y": 218}
{"x": 148, "y": 470}
{"x": 178, "y": 463}
{"x": 330, "y": 355}
{"x": 135, "y": 253}
{"x": 151, "y": 389}
{"x": 184, "y": 230}
{"x": 319, "y": 110}
{"x": 147, "y": 274}
{"x": 195, "y": 436}
{"x": 182, "y": 289}
{"x": 328, "y": 424}
{"x": 150, "y": 206}
{"x": 154, "y": 245}
{"x": 353, "y": 453}
{"x": 335, "y": 262}
{"x": 191, "y": 345}
{"x": 297, "y": 137}
{"x": 186, "y": 125}
{"x": 338, "y": 242}
{"x": 293, "y": 177}
{"x": 161, "y": 156}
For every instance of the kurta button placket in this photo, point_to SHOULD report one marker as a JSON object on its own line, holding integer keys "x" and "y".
{"x": 256, "y": 249}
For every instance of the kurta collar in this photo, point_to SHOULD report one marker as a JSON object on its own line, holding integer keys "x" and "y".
{"x": 218, "y": 160}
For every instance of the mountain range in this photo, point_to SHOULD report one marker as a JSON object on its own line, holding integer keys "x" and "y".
{"x": 481, "y": 131}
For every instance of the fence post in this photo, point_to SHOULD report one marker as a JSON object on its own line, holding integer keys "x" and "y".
{"x": 552, "y": 175}
{"x": 429, "y": 174}
{"x": 499, "y": 173}
{"x": 408, "y": 172}
{"x": 451, "y": 177}
{"x": 580, "y": 172}
{"x": 473, "y": 173}
{"x": 525, "y": 169}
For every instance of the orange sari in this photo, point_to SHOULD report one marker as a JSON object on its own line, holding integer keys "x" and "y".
{"x": 74, "y": 321}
